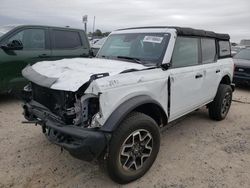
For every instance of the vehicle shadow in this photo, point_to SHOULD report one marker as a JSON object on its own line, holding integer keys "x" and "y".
{"x": 242, "y": 87}
{"x": 7, "y": 98}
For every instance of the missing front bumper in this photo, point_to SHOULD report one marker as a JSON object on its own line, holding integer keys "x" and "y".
{"x": 83, "y": 143}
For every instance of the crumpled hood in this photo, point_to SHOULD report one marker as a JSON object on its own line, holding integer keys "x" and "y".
{"x": 71, "y": 74}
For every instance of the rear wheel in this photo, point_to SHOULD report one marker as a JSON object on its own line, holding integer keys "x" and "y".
{"x": 133, "y": 148}
{"x": 219, "y": 108}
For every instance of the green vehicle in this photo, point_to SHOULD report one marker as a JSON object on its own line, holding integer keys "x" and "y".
{"x": 21, "y": 45}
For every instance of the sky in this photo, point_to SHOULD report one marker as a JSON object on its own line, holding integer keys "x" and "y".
{"x": 225, "y": 16}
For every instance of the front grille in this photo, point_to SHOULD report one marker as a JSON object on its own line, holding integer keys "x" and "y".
{"x": 56, "y": 101}
{"x": 243, "y": 70}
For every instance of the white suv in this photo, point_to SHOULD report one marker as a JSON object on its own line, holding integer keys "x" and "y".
{"x": 113, "y": 107}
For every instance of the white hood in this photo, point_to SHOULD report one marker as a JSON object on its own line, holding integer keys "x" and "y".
{"x": 71, "y": 74}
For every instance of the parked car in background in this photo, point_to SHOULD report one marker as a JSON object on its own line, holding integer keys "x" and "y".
{"x": 96, "y": 47}
{"x": 93, "y": 41}
{"x": 21, "y": 45}
{"x": 236, "y": 49}
{"x": 242, "y": 67}
{"x": 245, "y": 42}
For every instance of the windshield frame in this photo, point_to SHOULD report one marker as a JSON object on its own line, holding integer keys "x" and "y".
{"x": 146, "y": 62}
{"x": 242, "y": 51}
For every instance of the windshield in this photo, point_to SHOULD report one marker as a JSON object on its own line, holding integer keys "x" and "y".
{"x": 5, "y": 29}
{"x": 243, "y": 54}
{"x": 145, "y": 48}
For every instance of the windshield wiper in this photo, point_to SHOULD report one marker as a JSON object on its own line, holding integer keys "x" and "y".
{"x": 135, "y": 60}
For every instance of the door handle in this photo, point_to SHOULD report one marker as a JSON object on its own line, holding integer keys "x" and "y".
{"x": 43, "y": 56}
{"x": 217, "y": 71}
{"x": 198, "y": 76}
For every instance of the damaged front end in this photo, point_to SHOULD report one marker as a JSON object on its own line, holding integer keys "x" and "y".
{"x": 67, "y": 118}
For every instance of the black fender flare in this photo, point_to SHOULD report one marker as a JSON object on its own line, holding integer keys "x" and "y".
{"x": 227, "y": 79}
{"x": 124, "y": 109}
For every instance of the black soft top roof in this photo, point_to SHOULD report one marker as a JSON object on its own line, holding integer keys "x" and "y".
{"x": 185, "y": 31}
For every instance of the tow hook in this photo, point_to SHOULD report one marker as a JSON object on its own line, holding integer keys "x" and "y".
{"x": 31, "y": 122}
{"x": 36, "y": 122}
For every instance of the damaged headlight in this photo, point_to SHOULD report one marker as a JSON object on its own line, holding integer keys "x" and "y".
{"x": 86, "y": 110}
{"x": 94, "y": 123}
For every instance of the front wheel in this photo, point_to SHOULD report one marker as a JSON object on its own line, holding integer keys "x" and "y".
{"x": 133, "y": 148}
{"x": 219, "y": 108}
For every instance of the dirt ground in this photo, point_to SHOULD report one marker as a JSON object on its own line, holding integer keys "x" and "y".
{"x": 196, "y": 152}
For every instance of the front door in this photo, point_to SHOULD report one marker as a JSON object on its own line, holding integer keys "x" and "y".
{"x": 35, "y": 48}
{"x": 186, "y": 77}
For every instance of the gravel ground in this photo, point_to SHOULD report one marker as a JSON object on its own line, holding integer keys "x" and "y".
{"x": 196, "y": 152}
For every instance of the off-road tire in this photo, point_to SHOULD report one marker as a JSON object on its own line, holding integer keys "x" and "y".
{"x": 216, "y": 108}
{"x": 135, "y": 122}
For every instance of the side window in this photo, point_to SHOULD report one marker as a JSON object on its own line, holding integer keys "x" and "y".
{"x": 224, "y": 48}
{"x": 186, "y": 52}
{"x": 66, "y": 39}
{"x": 30, "y": 38}
{"x": 208, "y": 49}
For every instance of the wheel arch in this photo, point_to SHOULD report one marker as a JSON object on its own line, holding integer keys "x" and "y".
{"x": 144, "y": 104}
{"x": 226, "y": 80}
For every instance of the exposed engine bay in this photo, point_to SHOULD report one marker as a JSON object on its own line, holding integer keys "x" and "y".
{"x": 72, "y": 108}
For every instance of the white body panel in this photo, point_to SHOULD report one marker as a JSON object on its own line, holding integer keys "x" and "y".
{"x": 119, "y": 88}
{"x": 186, "y": 92}
{"x": 227, "y": 67}
{"x": 189, "y": 93}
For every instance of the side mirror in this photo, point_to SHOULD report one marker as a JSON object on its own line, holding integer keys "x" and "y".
{"x": 13, "y": 45}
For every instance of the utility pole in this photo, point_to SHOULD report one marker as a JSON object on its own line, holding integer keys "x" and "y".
{"x": 93, "y": 27}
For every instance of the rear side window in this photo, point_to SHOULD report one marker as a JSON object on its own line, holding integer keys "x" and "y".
{"x": 224, "y": 49}
{"x": 66, "y": 39}
{"x": 208, "y": 48}
{"x": 186, "y": 52}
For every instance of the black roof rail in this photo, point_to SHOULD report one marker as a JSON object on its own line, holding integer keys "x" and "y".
{"x": 186, "y": 31}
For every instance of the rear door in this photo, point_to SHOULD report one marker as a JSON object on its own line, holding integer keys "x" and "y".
{"x": 68, "y": 43}
{"x": 212, "y": 69}
{"x": 35, "y": 48}
{"x": 186, "y": 77}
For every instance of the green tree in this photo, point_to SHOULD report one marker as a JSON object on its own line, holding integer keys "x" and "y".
{"x": 105, "y": 34}
{"x": 98, "y": 33}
